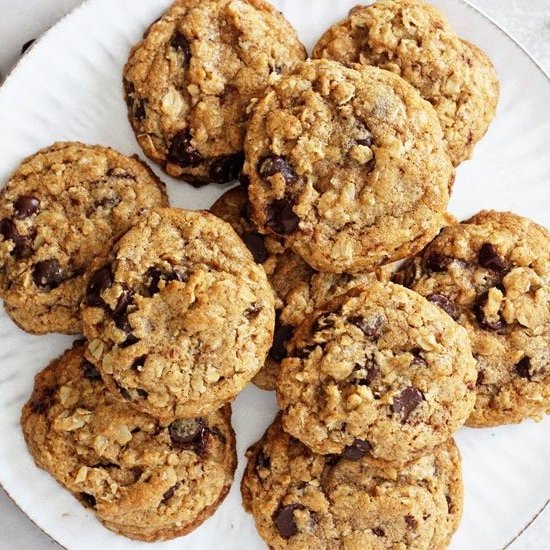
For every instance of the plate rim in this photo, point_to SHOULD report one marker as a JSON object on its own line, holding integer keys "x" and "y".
{"x": 523, "y": 533}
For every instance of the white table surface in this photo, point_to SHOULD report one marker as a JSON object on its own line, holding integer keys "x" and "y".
{"x": 528, "y": 21}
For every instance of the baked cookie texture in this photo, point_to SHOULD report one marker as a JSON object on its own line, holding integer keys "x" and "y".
{"x": 348, "y": 165}
{"x": 143, "y": 479}
{"x": 61, "y": 209}
{"x": 180, "y": 318}
{"x": 379, "y": 371}
{"x": 300, "y": 499}
{"x": 491, "y": 273}
{"x": 189, "y": 82}
{"x": 413, "y": 39}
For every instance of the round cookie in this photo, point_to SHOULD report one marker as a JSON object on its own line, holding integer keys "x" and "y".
{"x": 413, "y": 39}
{"x": 180, "y": 318}
{"x": 189, "y": 82}
{"x": 304, "y": 500}
{"x": 492, "y": 274}
{"x": 143, "y": 479}
{"x": 379, "y": 370}
{"x": 62, "y": 208}
{"x": 348, "y": 165}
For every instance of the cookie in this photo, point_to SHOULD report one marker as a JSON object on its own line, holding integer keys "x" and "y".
{"x": 413, "y": 39}
{"x": 179, "y": 318}
{"x": 300, "y": 499}
{"x": 143, "y": 479}
{"x": 189, "y": 82}
{"x": 347, "y": 165}
{"x": 379, "y": 371}
{"x": 492, "y": 274}
{"x": 62, "y": 208}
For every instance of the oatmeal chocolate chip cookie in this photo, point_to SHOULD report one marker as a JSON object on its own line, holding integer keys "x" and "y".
{"x": 179, "y": 318}
{"x": 143, "y": 479}
{"x": 62, "y": 208}
{"x": 189, "y": 83}
{"x": 380, "y": 369}
{"x": 492, "y": 275}
{"x": 300, "y": 499}
{"x": 348, "y": 165}
{"x": 412, "y": 39}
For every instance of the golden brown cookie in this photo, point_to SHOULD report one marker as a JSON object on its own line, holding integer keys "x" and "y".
{"x": 143, "y": 479}
{"x": 61, "y": 209}
{"x": 189, "y": 82}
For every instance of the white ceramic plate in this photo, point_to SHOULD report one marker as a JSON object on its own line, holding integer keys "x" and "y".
{"x": 69, "y": 88}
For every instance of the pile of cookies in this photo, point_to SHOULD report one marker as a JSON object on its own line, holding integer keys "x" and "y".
{"x": 346, "y": 163}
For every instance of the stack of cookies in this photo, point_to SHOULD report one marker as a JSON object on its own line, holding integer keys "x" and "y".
{"x": 346, "y": 164}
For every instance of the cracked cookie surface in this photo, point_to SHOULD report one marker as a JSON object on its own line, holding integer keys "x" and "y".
{"x": 492, "y": 274}
{"x": 348, "y": 165}
{"x": 413, "y": 39}
{"x": 381, "y": 370}
{"x": 143, "y": 479}
{"x": 179, "y": 318}
{"x": 300, "y": 499}
{"x": 62, "y": 208}
{"x": 189, "y": 83}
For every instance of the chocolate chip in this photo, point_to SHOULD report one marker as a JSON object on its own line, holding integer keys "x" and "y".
{"x": 181, "y": 44}
{"x": 445, "y": 304}
{"x": 120, "y": 313}
{"x": 372, "y": 369}
{"x": 27, "y": 45}
{"x": 357, "y": 450}
{"x": 281, "y": 219}
{"x": 182, "y": 152}
{"x": 129, "y": 87}
{"x": 10, "y": 233}
{"x": 227, "y": 168}
{"x": 405, "y": 403}
{"x": 281, "y": 336}
{"x": 100, "y": 280}
{"x": 262, "y": 460}
{"x": 124, "y": 392}
{"x": 88, "y": 500}
{"x": 480, "y": 378}
{"x": 489, "y": 258}
{"x": 418, "y": 359}
{"x": 379, "y": 532}
{"x": 482, "y": 320}
{"x": 255, "y": 243}
{"x": 411, "y": 522}
{"x": 25, "y": 206}
{"x": 142, "y": 393}
{"x": 372, "y": 328}
{"x": 189, "y": 434}
{"x": 244, "y": 180}
{"x": 367, "y": 141}
{"x": 170, "y": 493}
{"x": 130, "y": 341}
{"x": 139, "y": 362}
{"x": 284, "y": 520}
{"x": 324, "y": 321}
{"x": 47, "y": 274}
{"x": 90, "y": 370}
{"x": 274, "y": 164}
{"x": 140, "y": 110}
{"x": 157, "y": 275}
{"x": 407, "y": 274}
{"x": 438, "y": 262}
{"x": 522, "y": 368}
{"x": 43, "y": 400}
{"x": 253, "y": 311}
{"x": 305, "y": 352}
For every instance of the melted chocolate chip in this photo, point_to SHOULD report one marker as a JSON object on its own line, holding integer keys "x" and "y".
{"x": 27, "y": 45}
{"x": 357, "y": 450}
{"x": 274, "y": 164}
{"x": 140, "y": 109}
{"x": 441, "y": 301}
{"x": 489, "y": 258}
{"x": 142, "y": 394}
{"x": 411, "y": 522}
{"x": 124, "y": 392}
{"x": 47, "y": 274}
{"x": 256, "y": 244}
{"x": 281, "y": 219}
{"x": 227, "y": 168}
{"x": 88, "y": 500}
{"x": 189, "y": 434}
{"x": 283, "y": 333}
{"x": 170, "y": 493}
{"x": 379, "y": 532}
{"x": 372, "y": 328}
{"x": 181, "y": 44}
{"x": 522, "y": 368}
{"x": 372, "y": 369}
{"x": 284, "y": 520}
{"x": 482, "y": 320}
{"x": 41, "y": 402}
{"x": 90, "y": 370}
{"x": 405, "y": 403}
{"x": 438, "y": 262}
{"x": 130, "y": 341}
{"x": 262, "y": 460}
{"x": 10, "y": 233}
{"x": 100, "y": 280}
{"x": 25, "y": 206}
{"x": 139, "y": 362}
{"x": 182, "y": 152}
{"x": 120, "y": 313}
{"x": 156, "y": 275}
